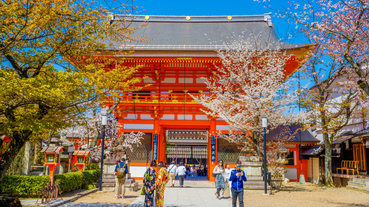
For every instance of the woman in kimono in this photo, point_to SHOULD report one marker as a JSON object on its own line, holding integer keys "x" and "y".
{"x": 149, "y": 184}
{"x": 160, "y": 184}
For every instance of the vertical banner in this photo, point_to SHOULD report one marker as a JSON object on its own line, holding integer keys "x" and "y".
{"x": 155, "y": 150}
{"x": 213, "y": 149}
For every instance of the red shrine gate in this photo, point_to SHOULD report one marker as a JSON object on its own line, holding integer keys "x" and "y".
{"x": 174, "y": 61}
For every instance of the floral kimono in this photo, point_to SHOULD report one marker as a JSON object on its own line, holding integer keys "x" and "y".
{"x": 160, "y": 186}
{"x": 149, "y": 184}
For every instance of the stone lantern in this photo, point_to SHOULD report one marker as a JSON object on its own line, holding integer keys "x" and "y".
{"x": 79, "y": 159}
{"x": 52, "y": 159}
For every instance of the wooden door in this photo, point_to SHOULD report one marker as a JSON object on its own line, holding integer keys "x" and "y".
{"x": 359, "y": 155}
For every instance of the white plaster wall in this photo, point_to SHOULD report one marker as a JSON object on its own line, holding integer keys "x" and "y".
{"x": 131, "y": 116}
{"x": 188, "y": 80}
{"x": 291, "y": 173}
{"x": 138, "y": 126}
{"x": 199, "y": 80}
{"x": 149, "y": 80}
{"x": 137, "y": 171}
{"x": 184, "y": 117}
{"x": 146, "y": 117}
{"x": 169, "y": 80}
{"x": 168, "y": 117}
{"x": 201, "y": 117}
{"x": 223, "y": 127}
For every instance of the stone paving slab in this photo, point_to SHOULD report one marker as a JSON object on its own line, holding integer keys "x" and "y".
{"x": 186, "y": 197}
{"x": 90, "y": 205}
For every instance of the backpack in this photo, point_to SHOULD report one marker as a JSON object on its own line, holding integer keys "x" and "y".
{"x": 121, "y": 172}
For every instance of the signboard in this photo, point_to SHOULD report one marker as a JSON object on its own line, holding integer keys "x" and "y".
{"x": 155, "y": 150}
{"x": 213, "y": 149}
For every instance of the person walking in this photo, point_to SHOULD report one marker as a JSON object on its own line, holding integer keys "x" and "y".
{"x": 181, "y": 172}
{"x": 149, "y": 184}
{"x": 172, "y": 169}
{"x": 120, "y": 172}
{"x": 237, "y": 177}
{"x": 228, "y": 184}
{"x": 161, "y": 181}
{"x": 219, "y": 173}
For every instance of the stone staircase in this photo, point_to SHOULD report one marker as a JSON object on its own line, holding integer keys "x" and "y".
{"x": 358, "y": 183}
{"x": 252, "y": 166}
{"x": 109, "y": 183}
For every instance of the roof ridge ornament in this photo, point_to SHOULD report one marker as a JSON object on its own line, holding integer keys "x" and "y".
{"x": 268, "y": 19}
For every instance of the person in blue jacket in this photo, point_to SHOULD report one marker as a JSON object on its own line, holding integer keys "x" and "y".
{"x": 237, "y": 177}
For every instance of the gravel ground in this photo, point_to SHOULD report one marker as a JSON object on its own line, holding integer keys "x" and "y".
{"x": 108, "y": 197}
{"x": 294, "y": 194}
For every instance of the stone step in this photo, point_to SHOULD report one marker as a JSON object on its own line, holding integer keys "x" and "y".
{"x": 128, "y": 181}
{"x": 358, "y": 180}
{"x": 36, "y": 173}
{"x": 251, "y": 164}
{"x": 254, "y": 182}
{"x": 366, "y": 189}
{"x": 352, "y": 183}
{"x": 256, "y": 187}
{"x": 254, "y": 178}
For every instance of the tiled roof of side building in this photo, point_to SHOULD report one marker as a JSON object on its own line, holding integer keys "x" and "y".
{"x": 199, "y": 33}
{"x": 291, "y": 133}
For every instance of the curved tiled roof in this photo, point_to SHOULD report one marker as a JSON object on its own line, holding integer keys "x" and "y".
{"x": 200, "y": 33}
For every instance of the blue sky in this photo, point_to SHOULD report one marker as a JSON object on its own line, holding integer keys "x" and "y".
{"x": 228, "y": 7}
{"x": 216, "y": 7}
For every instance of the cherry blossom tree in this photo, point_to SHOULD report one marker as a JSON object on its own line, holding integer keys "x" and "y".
{"x": 90, "y": 126}
{"x": 251, "y": 84}
{"x": 334, "y": 100}
{"x": 342, "y": 29}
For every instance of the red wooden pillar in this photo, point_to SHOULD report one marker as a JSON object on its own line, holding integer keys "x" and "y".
{"x": 305, "y": 168}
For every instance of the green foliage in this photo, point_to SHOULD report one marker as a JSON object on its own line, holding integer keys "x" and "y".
{"x": 23, "y": 185}
{"x": 31, "y": 186}
{"x": 90, "y": 176}
{"x": 89, "y": 187}
{"x": 69, "y": 181}
{"x": 94, "y": 166}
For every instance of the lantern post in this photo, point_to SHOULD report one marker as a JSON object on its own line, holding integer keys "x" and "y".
{"x": 264, "y": 125}
{"x": 103, "y": 123}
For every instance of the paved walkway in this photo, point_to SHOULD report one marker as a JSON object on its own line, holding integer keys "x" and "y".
{"x": 194, "y": 193}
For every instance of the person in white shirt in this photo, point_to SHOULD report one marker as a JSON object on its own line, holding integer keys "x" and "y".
{"x": 181, "y": 172}
{"x": 172, "y": 169}
{"x": 227, "y": 177}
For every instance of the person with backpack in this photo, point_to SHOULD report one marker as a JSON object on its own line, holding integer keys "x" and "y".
{"x": 237, "y": 178}
{"x": 120, "y": 172}
{"x": 172, "y": 169}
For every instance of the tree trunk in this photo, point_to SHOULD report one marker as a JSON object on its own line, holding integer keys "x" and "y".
{"x": 36, "y": 151}
{"x": 27, "y": 159}
{"x": 17, "y": 142}
{"x": 328, "y": 160}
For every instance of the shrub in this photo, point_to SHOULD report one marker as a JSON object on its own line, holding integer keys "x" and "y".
{"x": 69, "y": 181}
{"x": 94, "y": 166}
{"x": 90, "y": 176}
{"x": 89, "y": 187}
{"x": 31, "y": 186}
{"x": 23, "y": 185}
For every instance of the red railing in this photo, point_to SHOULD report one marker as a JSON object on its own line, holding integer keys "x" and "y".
{"x": 152, "y": 97}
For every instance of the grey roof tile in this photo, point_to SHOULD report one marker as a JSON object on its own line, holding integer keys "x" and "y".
{"x": 202, "y": 33}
